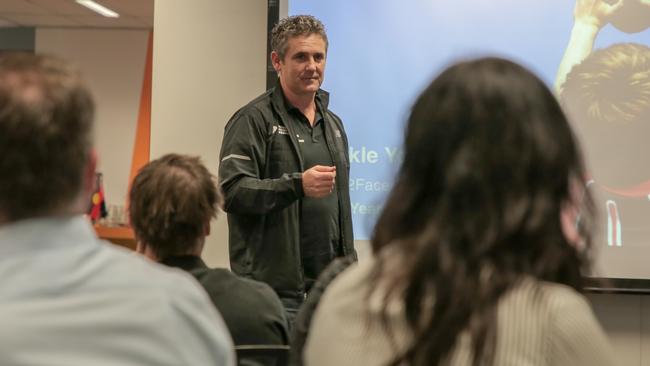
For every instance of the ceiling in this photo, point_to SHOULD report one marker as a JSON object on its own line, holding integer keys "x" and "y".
{"x": 69, "y": 14}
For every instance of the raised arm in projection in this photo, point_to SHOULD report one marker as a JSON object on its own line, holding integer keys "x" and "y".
{"x": 589, "y": 16}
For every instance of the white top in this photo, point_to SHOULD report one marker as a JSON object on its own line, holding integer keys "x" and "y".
{"x": 538, "y": 324}
{"x": 68, "y": 298}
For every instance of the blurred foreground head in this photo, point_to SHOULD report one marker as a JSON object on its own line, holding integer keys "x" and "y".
{"x": 46, "y": 122}
{"x": 490, "y": 173}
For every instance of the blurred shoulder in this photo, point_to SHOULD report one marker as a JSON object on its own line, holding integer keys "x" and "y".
{"x": 133, "y": 270}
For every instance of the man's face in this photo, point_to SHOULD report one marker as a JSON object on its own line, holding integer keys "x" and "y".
{"x": 303, "y": 67}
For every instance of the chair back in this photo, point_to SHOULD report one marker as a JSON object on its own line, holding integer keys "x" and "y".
{"x": 262, "y": 355}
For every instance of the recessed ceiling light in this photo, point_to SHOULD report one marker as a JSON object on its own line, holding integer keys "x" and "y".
{"x": 98, "y": 8}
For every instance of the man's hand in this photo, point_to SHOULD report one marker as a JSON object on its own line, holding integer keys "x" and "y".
{"x": 318, "y": 181}
{"x": 595, "y": 13}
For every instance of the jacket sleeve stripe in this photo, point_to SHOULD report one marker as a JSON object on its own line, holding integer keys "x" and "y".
{"x": 235, "y": 156}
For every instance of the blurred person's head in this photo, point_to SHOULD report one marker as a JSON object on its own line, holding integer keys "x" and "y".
{"x": 47, "y": 162}
{"x": 487, "y": 194}
{"x": 172, "y": 201}
{"x": 607, "y": 97}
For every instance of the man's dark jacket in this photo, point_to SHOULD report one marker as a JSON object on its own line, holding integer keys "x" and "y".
{"x": 261, "y": 177}
{"x": 251, "y": 310}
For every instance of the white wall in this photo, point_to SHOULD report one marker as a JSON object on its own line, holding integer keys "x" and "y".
{"x": 209, "y": 59}
{"x": 112, "y": 61}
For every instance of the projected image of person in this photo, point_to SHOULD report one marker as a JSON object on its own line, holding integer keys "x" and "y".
{"x": 607, "y": 96}
{"x": 476, "y": 256}
{"x": 590, "y": 16}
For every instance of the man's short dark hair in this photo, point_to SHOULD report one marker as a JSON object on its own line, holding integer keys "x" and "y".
{"x": 171, "y": 201}
{"x": 46, "y": 123}
{"x": 294, "y": 26}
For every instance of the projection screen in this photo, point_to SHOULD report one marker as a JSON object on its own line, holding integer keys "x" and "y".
{"x": 383, "y": 52}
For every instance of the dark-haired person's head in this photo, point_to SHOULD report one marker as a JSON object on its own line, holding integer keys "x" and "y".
{"x": 487, "y": 193}
{"x": 607, "y": 97}
{"x": 47, "y": 162}
{"x": 172, "y": 201}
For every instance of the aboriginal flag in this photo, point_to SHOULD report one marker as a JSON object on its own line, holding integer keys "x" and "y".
{"x": 98, "y": 204}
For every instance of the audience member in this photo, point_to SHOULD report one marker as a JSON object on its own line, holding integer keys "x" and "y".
{"x": 172, "y": 201}
{"x": 477, "y": 255}
{"x": 67, "y": 298}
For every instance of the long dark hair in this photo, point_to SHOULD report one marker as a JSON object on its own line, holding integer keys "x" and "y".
{"x": 489, "y": 164}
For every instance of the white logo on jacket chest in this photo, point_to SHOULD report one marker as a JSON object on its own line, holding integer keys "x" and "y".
{"x": 280, "y": 130}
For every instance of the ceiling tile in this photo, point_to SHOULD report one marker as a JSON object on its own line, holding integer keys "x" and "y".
{"x": 67, "y": 13}
{"x": 141, "y": 8}
{"x": 20, "y": 6}
{"x": 41, "y": 20}
{"x": 147, "y": 22}
{"x": 104, "y": 22}
{"x": 5, "y": 23}
{"x": 63, "y": 7}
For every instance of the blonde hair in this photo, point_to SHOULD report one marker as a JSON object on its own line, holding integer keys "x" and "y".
{"x": 612, "y": 85}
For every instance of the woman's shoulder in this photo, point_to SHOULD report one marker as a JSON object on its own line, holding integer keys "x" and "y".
{"x": 556, "y": 316}
{"x": 549, "y": 295}
{"x": 543, "y": 300}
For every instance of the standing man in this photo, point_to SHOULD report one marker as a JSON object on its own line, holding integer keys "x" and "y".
{"x": 285, "y": 171}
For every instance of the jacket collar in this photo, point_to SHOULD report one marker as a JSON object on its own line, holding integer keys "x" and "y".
{"x": 280, "y": 103}
{"x": 185, "y": 262}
